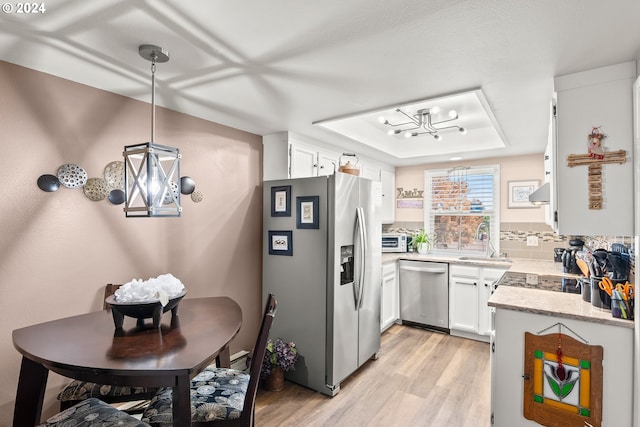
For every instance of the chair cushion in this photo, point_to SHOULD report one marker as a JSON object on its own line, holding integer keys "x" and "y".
{"x": 216, "y": 394}
{"x": 81, "y": 390}
{"x": 92, "y": 412}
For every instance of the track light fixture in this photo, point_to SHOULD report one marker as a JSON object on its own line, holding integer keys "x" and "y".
{"x": 422, "y": 123}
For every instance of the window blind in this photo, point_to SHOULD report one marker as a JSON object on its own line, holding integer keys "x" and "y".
{"x": 461, "y": 209}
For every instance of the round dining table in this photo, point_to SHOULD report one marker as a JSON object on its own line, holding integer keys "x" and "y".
{"x": 89, "y": 347}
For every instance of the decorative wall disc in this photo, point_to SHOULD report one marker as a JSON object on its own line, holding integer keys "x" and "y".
{"x": 48, "y": 183}
{"x": 187, "y": 185}
{"x": 96, "y": 189}
{"x": 197, "y": 196}
{"x": 116, "y": 197}
{"x": 72, "y": 176}
{"x": 176, "y": 192}
{"x": 114, "y": 174}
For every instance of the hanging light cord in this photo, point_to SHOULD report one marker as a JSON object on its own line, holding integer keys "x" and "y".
{"x": 154, "y": 56}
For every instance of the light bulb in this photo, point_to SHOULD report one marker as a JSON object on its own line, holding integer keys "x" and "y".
{"x": 409, "y": 134}
{"x": 382, "y": 120}
{"x": 453, "y": 114}
{"x": 434, "y": 110}
{"x": 462, "y": 131}
{"x": 393, "y": 132}
{"x": 437, "y": 137}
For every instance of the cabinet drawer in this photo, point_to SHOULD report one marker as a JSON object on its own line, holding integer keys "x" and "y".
{"x": 464, "y": 271}
{"x": 493, "y": 273}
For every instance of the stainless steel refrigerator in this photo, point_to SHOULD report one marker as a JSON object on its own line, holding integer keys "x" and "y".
{"x": 322, "y": 260}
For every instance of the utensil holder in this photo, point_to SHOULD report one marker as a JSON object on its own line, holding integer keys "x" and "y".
{"x": 585, "y": 289}
{"x": 600, "y": 298}
{"x": 621, "y": 309}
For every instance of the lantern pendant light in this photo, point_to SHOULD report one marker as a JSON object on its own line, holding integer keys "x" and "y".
{"x": 152, "y": 171}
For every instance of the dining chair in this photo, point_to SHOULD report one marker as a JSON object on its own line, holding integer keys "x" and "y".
{"x": 92, "y": 412}
{"x": 77, "y": 391}
{"x": 219, "y": 395}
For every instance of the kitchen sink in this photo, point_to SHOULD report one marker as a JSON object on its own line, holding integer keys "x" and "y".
{"x": 484, "y": 258}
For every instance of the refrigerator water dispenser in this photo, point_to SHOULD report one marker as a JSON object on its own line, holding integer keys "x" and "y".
{"x": 346, "y": 264}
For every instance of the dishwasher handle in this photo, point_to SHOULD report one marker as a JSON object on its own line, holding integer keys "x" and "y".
{"x": 436, "y": 270}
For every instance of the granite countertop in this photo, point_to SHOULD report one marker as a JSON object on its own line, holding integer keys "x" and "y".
{"x": 556, "y": 304}
{"x": 516, "y": 265}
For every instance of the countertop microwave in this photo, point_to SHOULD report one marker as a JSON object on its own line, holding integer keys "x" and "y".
{"x": 394, "y": 242}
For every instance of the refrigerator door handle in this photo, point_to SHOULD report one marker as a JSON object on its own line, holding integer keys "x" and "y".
{"x": 362, "y": 233}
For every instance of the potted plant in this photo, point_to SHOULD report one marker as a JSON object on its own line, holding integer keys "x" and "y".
{"x": 422, "y": 242}
{"x": 279, "y": 357}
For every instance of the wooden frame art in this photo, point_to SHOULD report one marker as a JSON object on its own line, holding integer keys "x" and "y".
{"x": 565, "y": 394}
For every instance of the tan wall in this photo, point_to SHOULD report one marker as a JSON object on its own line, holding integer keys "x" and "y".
{"x": 517, "y": 168}
{"x": 59, "y": 249}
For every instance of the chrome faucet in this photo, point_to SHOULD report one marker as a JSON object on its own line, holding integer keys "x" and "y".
{"x": 483, "y": 233}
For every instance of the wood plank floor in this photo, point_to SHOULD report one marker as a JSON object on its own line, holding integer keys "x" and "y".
{"x": 421, "y": 378}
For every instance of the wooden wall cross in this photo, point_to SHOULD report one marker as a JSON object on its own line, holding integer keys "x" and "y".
{"x": 595, "y": 171}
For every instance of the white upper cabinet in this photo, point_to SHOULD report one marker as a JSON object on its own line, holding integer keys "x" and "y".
{"x": 590, "y": 99}
{"x": 304, "y": 161}
{"x": 288, "y": 155}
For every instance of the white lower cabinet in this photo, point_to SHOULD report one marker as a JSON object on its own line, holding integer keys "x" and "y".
{"x": 390, "y": 304}
{"x": 469, "y": 290}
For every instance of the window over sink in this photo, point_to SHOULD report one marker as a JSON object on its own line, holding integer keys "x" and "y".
{"x": 462, "y": 210}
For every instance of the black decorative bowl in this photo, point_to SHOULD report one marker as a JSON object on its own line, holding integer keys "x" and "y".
{"x": 142, "y": 310}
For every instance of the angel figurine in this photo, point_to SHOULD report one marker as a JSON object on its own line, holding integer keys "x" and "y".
{"x": 596, "y": 147}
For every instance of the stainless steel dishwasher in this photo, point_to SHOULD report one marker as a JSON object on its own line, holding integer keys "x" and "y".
{"x": 424, "y": 294}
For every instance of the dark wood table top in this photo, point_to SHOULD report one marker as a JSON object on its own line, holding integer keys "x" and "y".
{"x": 88, "y": 347}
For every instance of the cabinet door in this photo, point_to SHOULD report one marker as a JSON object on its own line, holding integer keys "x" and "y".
{"x": 484, "y": 311}
{"x": 304, "y": 161}
{"x": 388, "y": 208}
{"x": 370, "y": 172}
{"x": 463, "y": 304}
{"x": 327, "y": 163}
{"x": 581, "y": 98}
{"x": 390, "y": 304}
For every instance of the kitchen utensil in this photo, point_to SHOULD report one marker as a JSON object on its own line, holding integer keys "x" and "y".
{"x": 576, "y": 242}
{"x": 606, "y": 285}
{"x": 592, "y": 267}
{"x": 557, "y": 254}
{"x": 584, "y": 268}
{"x": 601, "y": 255}
{"x": 619, "y": 248}
{"x": 626, "y": 290}
{"x": 619, "y": 263}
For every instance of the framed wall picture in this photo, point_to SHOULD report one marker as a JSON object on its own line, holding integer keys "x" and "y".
{"x": 518, "y": 193}
{"x": 281, "y": 242}
{"x": 281, "y": 200}
{"x": 307, "y": 211}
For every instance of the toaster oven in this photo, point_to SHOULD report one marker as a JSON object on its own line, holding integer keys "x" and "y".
{"x": 394, "y": 242}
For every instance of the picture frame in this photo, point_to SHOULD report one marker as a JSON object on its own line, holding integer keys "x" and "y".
{"x": 307, "y": 212}
{"x": 518, "y": 193}
{"x": 281, "y": 242}
{"x": 281, "y": 200}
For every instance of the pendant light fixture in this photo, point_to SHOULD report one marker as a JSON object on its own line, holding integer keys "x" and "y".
{"x": 152, "y": 171}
